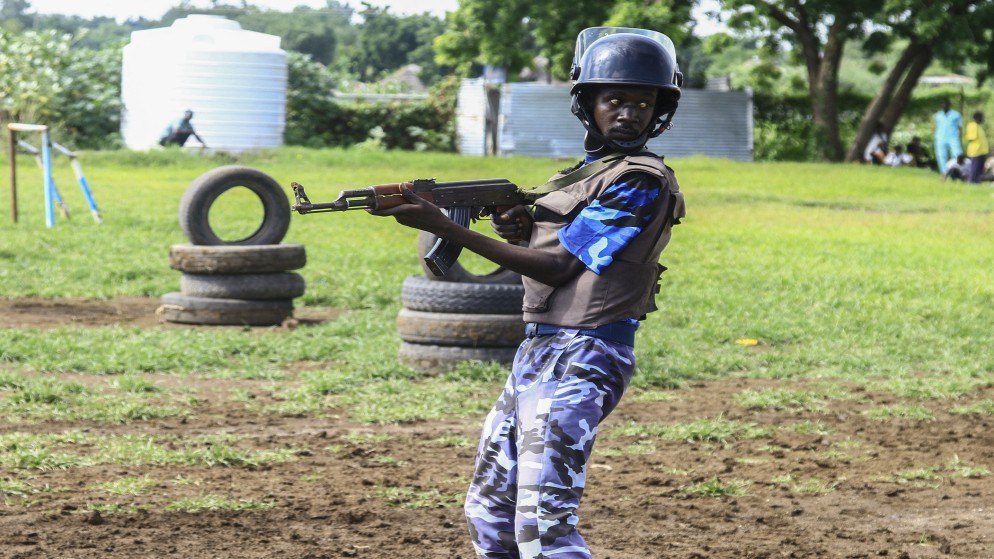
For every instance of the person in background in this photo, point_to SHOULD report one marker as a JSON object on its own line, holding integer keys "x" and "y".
{"x": 948, "y": 123}
{"x": 876, "y": 149}
{"x": 897, "y": 157}
{"x": 988, "y": 173}
{"x": 178, "y": 131}
{"x": 976, "y": 146}
{"x": 919, "y": 155}
{"x": 956, "y": 169}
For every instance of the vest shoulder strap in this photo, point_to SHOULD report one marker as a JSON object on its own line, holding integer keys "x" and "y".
{"x": 533, "y": 193}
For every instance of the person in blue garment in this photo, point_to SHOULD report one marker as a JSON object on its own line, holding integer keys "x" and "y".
{"x": 179, "y": 131}
{"x": 590, "y": 272}
{"x": 948, "y": 124}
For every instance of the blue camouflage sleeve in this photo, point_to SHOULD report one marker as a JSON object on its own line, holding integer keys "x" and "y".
{"x": 609, "y": 223}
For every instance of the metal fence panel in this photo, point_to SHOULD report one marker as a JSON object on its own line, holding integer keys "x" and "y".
{"x": 535, "y": 120}
{"x": 471, "y": 120}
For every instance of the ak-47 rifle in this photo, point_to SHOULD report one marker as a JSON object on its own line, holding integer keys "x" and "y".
{"x": 462, "y": 201}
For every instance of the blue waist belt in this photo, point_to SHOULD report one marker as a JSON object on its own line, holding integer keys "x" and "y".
{"x": 620, "y": 332}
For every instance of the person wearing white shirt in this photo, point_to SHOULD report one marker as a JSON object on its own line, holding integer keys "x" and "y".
{"x": 897, "y": 157}
{"x": 876, "y": 149}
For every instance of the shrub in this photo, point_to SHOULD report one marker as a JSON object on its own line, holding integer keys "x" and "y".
{"x": 316, "y": 119}
{"x": 784, "y": 128}
{"x": 48, "y": 80}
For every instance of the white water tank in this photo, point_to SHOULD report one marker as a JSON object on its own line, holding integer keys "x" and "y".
{"x": 233, "y": 80}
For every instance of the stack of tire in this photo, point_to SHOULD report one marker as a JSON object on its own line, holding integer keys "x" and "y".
{"x": 245, "y": 281}
{"x": 458, "y": 317}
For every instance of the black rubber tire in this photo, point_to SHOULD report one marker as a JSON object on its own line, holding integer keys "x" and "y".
{"x": 463, "y": 330}
{"x": 229, "y": 259}
{"x": 436, "y": 360}
{"x": 194, "y": 206}
{"x": 177, "y": 307}
{"x": 266, "y": 287}
{"x": 459, "y": 274}
{"x": 419, "y": 293}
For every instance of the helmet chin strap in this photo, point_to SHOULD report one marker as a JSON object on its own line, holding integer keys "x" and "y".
{"x": 596, "y": 143}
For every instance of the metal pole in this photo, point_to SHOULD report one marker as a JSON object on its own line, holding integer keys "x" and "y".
{"x": 46, "y": 160}
{"x": 12, "y": 149}
{"x": 77, "y": 168}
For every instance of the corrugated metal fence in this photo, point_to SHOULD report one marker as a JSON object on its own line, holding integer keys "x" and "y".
{"x": 534, "y": 119}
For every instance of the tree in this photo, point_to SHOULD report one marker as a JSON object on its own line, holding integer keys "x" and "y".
{"x": 310, "y": 31}
{"x": 315, "y": 32}
{"x": 432, "y": 73}
{"x": 387, "y": 42}
{"x": 816, "y": 32}
{"x": 489, "y": 33}
{"x": 13, "y": 14}
{"x": 512, "y": 33}
{"x": 952, "y": 31}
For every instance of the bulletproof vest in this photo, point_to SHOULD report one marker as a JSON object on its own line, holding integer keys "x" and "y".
{"x": 626, "y": 287}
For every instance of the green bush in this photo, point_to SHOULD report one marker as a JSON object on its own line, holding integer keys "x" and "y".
{"x": 309, "y": 102}
{"x": 48, "y": 80}
{"x": 784, "y": 130}
{"x": 315, "y": 119}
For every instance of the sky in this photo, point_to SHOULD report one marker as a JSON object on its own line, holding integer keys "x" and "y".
{"x": 154, "y": 9}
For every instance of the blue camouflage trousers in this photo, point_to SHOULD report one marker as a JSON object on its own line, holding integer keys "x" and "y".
{"x": 531, "y": 462}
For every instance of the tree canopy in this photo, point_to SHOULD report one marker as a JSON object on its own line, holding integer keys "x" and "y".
{"x": 816, "y": 34}
{"x": 511, "y": 34}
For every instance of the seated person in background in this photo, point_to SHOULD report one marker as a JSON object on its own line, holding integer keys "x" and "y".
{"x": 919, "y": 154}
{"x": 897, "y": 157}
{"x": 956, "y": 169}
{"x": 179, "y": 130}
{"x": 876, "y": 149}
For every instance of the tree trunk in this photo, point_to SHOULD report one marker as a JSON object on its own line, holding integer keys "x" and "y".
{"x": 825, "y": 109}
{"x": 825, "y": 98}
{"x": 890, "y": 102}
{"x": 822, "y": 65}
{"x": 900, "y": 101}
{"x": 874, "y": 112}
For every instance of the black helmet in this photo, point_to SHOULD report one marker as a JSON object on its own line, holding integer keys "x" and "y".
{"x": 626, "y": 56}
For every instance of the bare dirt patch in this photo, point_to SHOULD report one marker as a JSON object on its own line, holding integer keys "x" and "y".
{"x": 853, "y": 487}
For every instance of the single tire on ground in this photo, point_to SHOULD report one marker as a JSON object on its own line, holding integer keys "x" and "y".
{"x": 437, "y": 359}
{"x": 278, "y": 285}
{"x": 177, "y": 307}
{"x": 459, "y": 274}
{"x": 422, "y": 294}
{"x": 463, "y": 330}
{"x": 195, "y": 205}
{"x": 231, "y": 259}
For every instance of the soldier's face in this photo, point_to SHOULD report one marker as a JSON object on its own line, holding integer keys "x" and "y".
{"x": 624, "y": 113}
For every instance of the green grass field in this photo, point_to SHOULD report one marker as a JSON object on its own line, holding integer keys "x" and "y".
{"x": 876, "y": 276}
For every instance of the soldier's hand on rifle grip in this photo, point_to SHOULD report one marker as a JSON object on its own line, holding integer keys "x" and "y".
{"x": 513, "y": 225}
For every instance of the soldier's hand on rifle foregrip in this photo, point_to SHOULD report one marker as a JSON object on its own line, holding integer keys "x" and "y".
{"x": 514, "y": 225}
{"x": 417, "y": 212}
